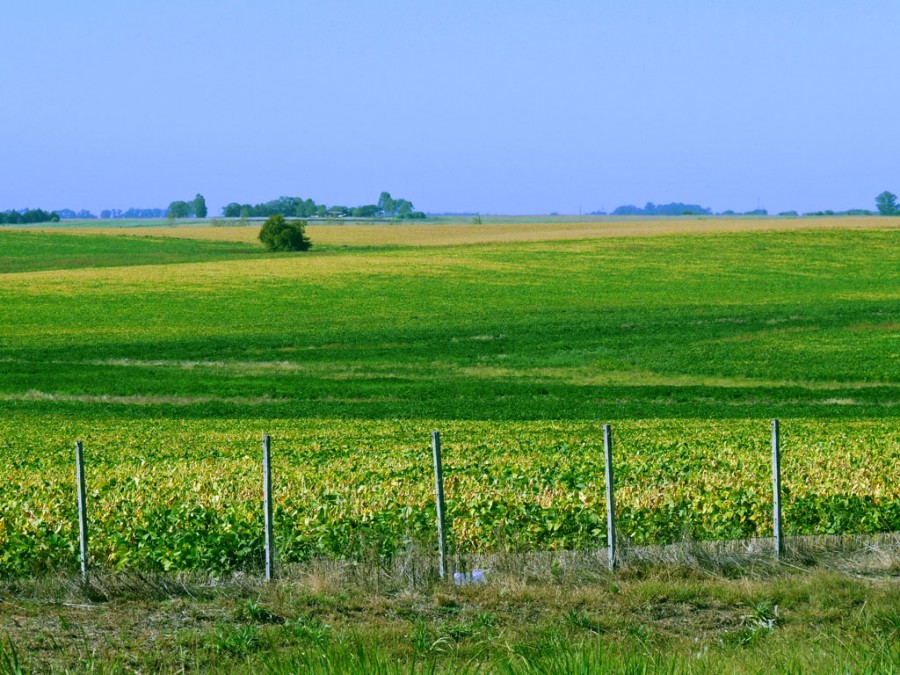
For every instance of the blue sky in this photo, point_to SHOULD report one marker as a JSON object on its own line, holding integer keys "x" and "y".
{"x": 496, "y": 107}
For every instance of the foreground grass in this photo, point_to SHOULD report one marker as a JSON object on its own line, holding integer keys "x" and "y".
{"x": 531, "y": 617}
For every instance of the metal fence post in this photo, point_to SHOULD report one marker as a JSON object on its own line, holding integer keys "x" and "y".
{"x": 439, "y": 500}
{"x": 610, "y": 499}
{"x": 267, "y": 506}
{"x": 82, "y": 510}
{"x": 776, "y": 488}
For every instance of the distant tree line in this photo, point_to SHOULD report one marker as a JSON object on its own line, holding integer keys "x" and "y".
{"x": 651, "y": 209}
{"x": 177, "y": 209}
{"x": 69, "y": 214}
{"x": 28, "y": 216}
{"x": 829, "y": 212}
{"x": 289, "y": 207}
{"x": 754, "y": 212}
{"x": 133, "y": 213}
{"x": 886, "y": 203}
{"x": 83, "y": 214}
{"x": 297, "y": 207}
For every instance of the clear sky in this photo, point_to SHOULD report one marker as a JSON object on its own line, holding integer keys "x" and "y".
{"x": 495, "y": 106}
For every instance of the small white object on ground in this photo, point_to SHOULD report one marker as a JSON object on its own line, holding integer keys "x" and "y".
{"x": 473, "y": 577}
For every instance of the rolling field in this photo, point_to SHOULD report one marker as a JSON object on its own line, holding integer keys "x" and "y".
{"x": 171, "y": 355}
{"x": 448, "y": 231}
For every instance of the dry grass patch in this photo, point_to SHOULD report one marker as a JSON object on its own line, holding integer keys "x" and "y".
{"x": 686, "y": 603}
{"x": 643, "y": 377}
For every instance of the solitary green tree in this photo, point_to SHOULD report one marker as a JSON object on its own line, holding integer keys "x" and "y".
{"x": 887, "y": 203}
{"x": 278, "y": 234}
{"x": 179, "y": 209}
{"x": 200, "y": 206}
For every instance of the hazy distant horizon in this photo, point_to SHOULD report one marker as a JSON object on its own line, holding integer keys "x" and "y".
{"x": 217, "y": 213}
{"x": 504, "y": 107}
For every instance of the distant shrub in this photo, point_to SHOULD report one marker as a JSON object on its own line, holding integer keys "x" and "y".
{"x": 278, "y": 234}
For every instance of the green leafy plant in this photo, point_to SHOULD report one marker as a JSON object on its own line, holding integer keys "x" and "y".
{"x": 237, "y": 641}
{"x": 9, "y": 659}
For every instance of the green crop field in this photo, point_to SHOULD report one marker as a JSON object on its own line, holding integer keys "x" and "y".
{"x": 170, "y": 356}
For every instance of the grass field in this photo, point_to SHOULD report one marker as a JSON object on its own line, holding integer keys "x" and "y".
{"x": 725, "y": 325}
{"x": 171, "y": 354}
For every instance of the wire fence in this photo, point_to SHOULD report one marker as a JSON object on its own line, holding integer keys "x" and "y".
{"x": 443, "y": 526}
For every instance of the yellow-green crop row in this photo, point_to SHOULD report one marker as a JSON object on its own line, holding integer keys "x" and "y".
{"x": 168, "y": 494}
